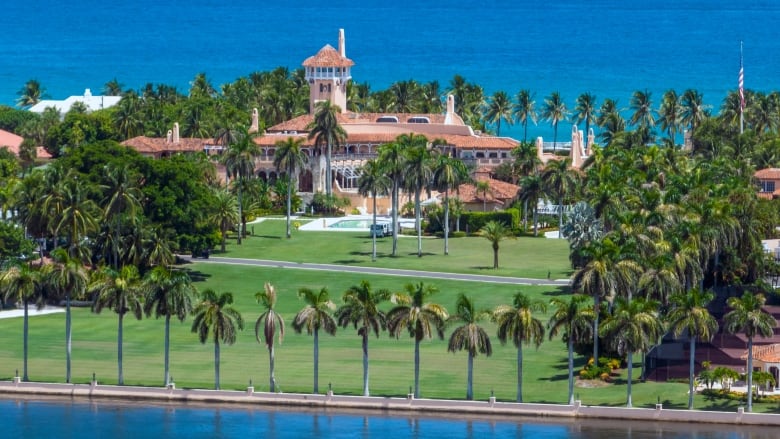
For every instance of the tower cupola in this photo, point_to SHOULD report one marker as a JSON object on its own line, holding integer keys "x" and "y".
{"x": 327, "y": 73}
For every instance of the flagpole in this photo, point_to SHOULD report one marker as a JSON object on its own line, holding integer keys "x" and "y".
{"x": 741, "y": 92}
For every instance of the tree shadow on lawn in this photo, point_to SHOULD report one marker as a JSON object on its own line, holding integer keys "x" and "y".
{"x": 197, "y": 276}
{"x": 349, "y": 261}
{"x": 482, "y": 267}
{"x": 267, "y": 236}
{"x": 559, "y": 291}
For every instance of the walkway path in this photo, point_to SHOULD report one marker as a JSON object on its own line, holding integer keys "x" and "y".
{"x": 382, "y": 271}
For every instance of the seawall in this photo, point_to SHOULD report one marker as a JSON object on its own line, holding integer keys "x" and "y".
{"x": 407, "y": 405}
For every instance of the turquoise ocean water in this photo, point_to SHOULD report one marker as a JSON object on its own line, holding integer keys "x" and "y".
{"x": 607, "y": 47}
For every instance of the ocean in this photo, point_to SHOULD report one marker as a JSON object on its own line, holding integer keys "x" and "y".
{"x": 606, "y": 47}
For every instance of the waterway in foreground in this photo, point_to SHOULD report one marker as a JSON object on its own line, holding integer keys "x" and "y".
{"x": 61, "y": 418}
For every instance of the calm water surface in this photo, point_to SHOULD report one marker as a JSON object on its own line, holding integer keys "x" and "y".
{"x": 24, "y": 418}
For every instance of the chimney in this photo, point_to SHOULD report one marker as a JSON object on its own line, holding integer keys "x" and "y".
{"x": 176, "y": 132}
{"x": 450, "y": 109}
{"x": 169, "y": 137}
{"x": 342, "y": 44}
{"x": 255, "y": 127}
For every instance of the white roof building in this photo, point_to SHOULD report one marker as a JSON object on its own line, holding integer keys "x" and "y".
{"x": 92, "y": 103}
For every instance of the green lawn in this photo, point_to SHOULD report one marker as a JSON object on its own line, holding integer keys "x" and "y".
{"x": 521, "y": 257}
{"x": 443, "y": 374}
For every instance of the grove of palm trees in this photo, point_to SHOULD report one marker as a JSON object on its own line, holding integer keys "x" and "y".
{"x": 659, "y": 232}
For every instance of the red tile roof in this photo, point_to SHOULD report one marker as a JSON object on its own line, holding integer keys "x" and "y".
{"x": 328, "y": 57}
{"x": 11, "y": 140}
{"x": 500, "y": 192}
{"x": 768, "y": 174}
{"x": 159, "y": 145}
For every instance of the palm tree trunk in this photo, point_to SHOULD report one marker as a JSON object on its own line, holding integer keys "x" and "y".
{"x": 416, "y": 368}
{"x": 495, "y": 257}
{"x": 373, "y": 233}
{"x": 328, "y": 177}
{"x": 525, "y": 215}
{"x": 224, "y": 237}
{"x": 216, "y": 363}
{"x": 365, "y": 363}
{"x": 68, "y": 342}
{"x": 240, "y": 213}
{"x": 121, "y": 378}
{"x": 271, "y": 378}
{"x": 690, "y": 372}
{"x": 446, "y": 222}
{"x": 418, "y": 223}
{"x": 536, "y": 221}
{"x": 26, "y": 328}
{"x": 289, "y": 205}
{"x": 316, "y": 360}
{"x": 630, "y": 361}
{"x": 470, "y": 378}
{"x": 596, "y": 313}
{"x": 555, "y": 138}
{"x": 560, "y": 217}
{"x": 167, "y": 376}
{"x": 394, "y": 203}
{"x": 571, "y": 370}
{"x": 520, "y": 372}
{"x": 525, "y": 131}
{"x": 750, "y": 375}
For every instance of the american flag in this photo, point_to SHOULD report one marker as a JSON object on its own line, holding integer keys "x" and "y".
{"x": 741, "y": 82}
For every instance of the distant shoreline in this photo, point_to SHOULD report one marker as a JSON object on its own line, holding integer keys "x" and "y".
{"x": 401, "y": 406}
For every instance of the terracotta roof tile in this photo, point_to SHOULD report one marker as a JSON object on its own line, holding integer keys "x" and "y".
{"x": 768, "y": 174}
{"x": 328, "y": 57}
{"x": 11, "y": 140}
{"x": 158, "y": 145}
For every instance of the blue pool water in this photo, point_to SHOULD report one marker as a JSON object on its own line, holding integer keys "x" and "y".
{"x": 351, "y": 224}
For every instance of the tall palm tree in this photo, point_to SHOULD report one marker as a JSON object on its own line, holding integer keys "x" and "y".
{"x": 289, "y": 158}
{"x": 75, "y": 213}
{"x": 214, "y": 315}
{"x": 669, "y": 114}
{"x": 325, "y": 130}
{"x": 314, "y": 316}
{"x": 608, "y": 272}
{"x": 239, "y": 161}
{"x": 448, "y": 173}
{"x": 531, "y": 190}
{"x": 495, "y": 232}
{"x": 516, "y": 322}
{"x": 225, "y": 212}
{"x": 122, "y": 292}
{"x": 748, "y": 316}
{"x": 30, "y": 94}
{"x": 373, "y": 181}
{"x": 483, "y": 187}
{"x": 392, "y": 159}
{"x": 559, "y": 180}
{"x": 525, "y": 110}
{"x": 642, "y": 104}
{"x": 361, "y": 309}
{"x": 271, "y": 322}
{"x": 23, "y": 283}
{"x": 499, "y": 108}
{"x": 122, "y": 201}
{"x": 417, "y": 176}
{"x": 585, "y": 110}
{"x": 470, "y": 336}
{"x": 574, "y": 320}
{"x": 555, "y": 111}
{"x": 168, "y": 293}
{"x": 422, "y": 319}
{"x": 689, "y": 314}
{"x": 69, "y": 278}
{"x": 693, "y": 110}
{"x": 634, "y": 326}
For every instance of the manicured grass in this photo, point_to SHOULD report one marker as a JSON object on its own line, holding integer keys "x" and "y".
{"x": 443, "y": 374}
{"x": 521, "y": 257}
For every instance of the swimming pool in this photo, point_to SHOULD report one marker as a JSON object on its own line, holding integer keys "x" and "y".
{"x": 351, "y": 224}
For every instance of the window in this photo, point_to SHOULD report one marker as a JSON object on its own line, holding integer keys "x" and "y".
{"x": 767, "y": 186}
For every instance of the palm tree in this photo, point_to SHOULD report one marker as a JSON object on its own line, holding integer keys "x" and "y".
{"x": 215, "y": 315}
{"x": 74, "y": 214}
{"x": 271, "y": 323}
{"x": 642, "y": 105}
{"x": 448, "y": 172}
{"x": 669, "y": 114}
{"x": 531, "y": 190}
{"x": 559, "y": 180}
{"x": 469, "y": 336}
{"x": 360, "y": 308}
{"x": 586, "y": 111}
{"x": 693, "y": 110}
{"x": 483, "y": 187}
{"x": 23, "y": 283}
{"x": 689, "y": 314}
{"x": 30, "y": 94}
{"x": 392, "y": 159}
{"x": 607, "y": 272}
{"x": 289, "y": 158}
{"x": 633, "y": 327}
{"x": 417, "y": 176}
{"x": 225, "y": 212}
{"x": 748, "y": 316}
{"x": 499, "y": 108}
{"x": 314, "y": 316}
{"x": 495, "y": 232}
{"x": 422, "y": 319}
{"x": 120, "y": 291}
{"x": 69, "y": 278}
{"x": 525, "y": 110}
{"x": 555, "y": 111}
{"x": 168, "y": 293}
{"x": 122, "y": 201}
{"x": 325, "y": 130}
{"x": 373, "y": 181}
{"x": 239, "y": 161}
{"x": 574, "y": 320}
{"x": 517, "y": 322}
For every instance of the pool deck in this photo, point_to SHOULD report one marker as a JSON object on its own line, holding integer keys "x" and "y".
{"x": 324, "y": 224}
{"x": 408, "y": 405}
